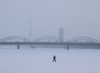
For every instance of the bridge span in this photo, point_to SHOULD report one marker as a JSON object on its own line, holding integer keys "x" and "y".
{"x": 65, "y": 44}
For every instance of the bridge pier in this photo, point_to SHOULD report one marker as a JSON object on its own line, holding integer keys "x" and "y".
{"x": 67, "y": 47}
{"x": 18, "y": 46}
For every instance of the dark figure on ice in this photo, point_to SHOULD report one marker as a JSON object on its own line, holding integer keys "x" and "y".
{"x": 54, "y": 58}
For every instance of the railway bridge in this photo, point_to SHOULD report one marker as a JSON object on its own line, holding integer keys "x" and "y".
{"x": 17, "y": 40}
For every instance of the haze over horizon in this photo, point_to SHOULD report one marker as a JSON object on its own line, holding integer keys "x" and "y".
{"x": 77, "y": 17}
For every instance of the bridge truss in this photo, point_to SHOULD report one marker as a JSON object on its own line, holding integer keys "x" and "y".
{"x": 47, "y": 39}
{"x": 83, "y": 40}
{"x": 14, "y": 39}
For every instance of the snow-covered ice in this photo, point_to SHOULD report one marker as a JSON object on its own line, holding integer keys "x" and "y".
{"x": 40, "y": 60}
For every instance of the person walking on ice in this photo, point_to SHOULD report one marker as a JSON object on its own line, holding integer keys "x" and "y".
{"x": 54, "y": 59}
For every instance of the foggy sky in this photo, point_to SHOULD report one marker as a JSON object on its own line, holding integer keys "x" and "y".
{"x": 78, "y": 17}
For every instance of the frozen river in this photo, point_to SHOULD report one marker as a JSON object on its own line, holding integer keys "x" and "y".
{"x": 40, "y": 61}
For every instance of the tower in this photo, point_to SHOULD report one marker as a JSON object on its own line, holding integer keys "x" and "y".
{"x": 30, "y": 24}
{"x": 61, "y": 34}
{"x": 30, "y": 29}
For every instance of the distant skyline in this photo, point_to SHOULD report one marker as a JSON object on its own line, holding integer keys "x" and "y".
{"x": 79, "y": 18}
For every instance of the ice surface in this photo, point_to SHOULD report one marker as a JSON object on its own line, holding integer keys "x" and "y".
{"x": 40, "y": 60}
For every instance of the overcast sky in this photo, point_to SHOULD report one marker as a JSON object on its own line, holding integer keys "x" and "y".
{"x": 78, "y": 17}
